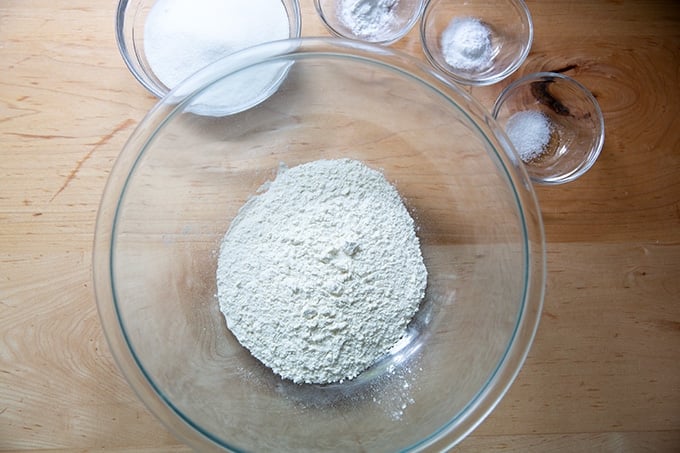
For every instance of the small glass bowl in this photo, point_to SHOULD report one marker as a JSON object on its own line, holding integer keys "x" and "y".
{"x": 131, "y": 17}
{"x": 510, "y": 29}
{"x": 341, "y": 18}
{"x": 577, "y": 125}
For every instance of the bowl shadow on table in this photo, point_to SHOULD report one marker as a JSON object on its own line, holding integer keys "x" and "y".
{"x": 177, "y": 209}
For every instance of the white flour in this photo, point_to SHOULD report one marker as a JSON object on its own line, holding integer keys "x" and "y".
{"x": 319, "y": 276}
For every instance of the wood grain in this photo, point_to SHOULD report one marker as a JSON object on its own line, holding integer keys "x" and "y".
{"x": 604, "y": 372}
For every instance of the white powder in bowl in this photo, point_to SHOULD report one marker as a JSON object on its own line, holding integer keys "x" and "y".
{"x": 529, "y": 131}
{"x": 466, "y": 44}
{"x": 370, "y": 20}
{"x": 319, "y": 276}
{"x": 184, "y": 36}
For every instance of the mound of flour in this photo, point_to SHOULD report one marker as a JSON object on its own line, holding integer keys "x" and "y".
{"x": 319, "y": 275}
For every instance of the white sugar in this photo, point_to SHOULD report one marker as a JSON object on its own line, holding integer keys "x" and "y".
{"x": 183, "y": 36}
{"x": 529, "y": 131}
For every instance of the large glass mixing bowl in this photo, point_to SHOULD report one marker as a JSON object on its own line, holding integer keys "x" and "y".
{"x": 180, "y": 180}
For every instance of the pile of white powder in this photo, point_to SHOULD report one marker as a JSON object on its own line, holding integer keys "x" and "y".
{"x": 320, "y": 275}
{"x": 370, "y": 20}
{"x": 466, "y": 45}
{"x": 529, "y": 131}
{"x": 183, "y": 36}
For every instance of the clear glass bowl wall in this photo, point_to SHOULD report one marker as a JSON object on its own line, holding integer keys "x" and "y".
{"x": 181, "y": 179}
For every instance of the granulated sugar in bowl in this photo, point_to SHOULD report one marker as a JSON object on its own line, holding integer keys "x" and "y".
{"x": 356, "y": 263}
{"x": 165, "y": 41}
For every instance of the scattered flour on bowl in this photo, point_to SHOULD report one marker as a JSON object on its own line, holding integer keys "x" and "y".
{"x": 319, "y": 275}
{"x": 392, "y": 391}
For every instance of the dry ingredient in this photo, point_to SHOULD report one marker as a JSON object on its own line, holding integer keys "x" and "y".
{"x": 368, "y": 19}
{"x": 529, "y": 131}
{"x": 183, "y": 36}
{"x": 466, "y": 45}
{"x": 320, "y": 275}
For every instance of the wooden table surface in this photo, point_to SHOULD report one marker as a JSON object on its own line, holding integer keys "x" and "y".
{"x": 604, "y": 371}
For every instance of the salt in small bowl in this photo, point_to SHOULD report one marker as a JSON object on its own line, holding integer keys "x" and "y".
{"x": 376, "y": 21}
{"x": 452, "y": 42}
{"x": 575, "y": 118}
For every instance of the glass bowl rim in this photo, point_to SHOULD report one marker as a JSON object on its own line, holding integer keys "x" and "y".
{"x": 529, "y": 308}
